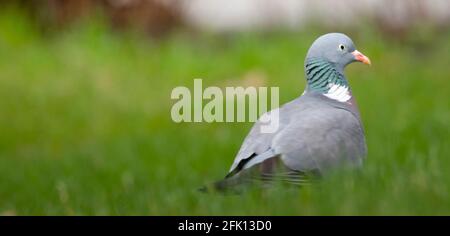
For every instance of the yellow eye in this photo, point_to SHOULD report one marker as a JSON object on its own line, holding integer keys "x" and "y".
{"x": 342, "y": 47}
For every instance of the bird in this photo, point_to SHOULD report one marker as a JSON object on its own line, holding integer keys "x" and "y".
{"x": 319, "y": 131}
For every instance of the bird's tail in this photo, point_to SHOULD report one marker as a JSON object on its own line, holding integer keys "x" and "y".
{"x": 265, "y": 174}
{"x": 238, "y": 183}
{"x": 227, "y": 185}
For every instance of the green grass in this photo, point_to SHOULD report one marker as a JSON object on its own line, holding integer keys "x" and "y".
{"x": 85, "y": 125}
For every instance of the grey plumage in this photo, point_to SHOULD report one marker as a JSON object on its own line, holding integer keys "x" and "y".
{"x": 316, "y": 132}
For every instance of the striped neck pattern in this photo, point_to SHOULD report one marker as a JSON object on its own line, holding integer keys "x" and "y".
{"x": 323, "y": 77}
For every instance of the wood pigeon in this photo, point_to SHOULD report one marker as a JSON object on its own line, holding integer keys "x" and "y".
{"x": 318, "y": 131}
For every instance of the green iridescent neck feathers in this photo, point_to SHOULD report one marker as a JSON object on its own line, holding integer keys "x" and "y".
{"x": 321, "y": 75}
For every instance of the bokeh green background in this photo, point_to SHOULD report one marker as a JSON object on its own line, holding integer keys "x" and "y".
{"x": 85, "y": 126}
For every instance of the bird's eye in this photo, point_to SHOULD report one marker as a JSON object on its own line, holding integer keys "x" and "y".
{"x": 342, "y": 47}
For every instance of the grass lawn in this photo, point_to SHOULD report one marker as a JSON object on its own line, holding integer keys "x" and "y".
{"x": 85, "y": 126}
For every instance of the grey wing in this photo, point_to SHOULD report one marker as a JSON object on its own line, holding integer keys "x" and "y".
{"x": 321, "y": 138}
{"x": 255, "y": 144}
{"x": 258, "y": 146}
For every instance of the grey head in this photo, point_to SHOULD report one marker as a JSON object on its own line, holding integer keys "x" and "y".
{"x": 326, "y": 60}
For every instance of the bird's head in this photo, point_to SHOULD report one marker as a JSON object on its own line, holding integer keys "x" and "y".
{"x": 337, "y": 49}
{"x": 325, "y": 63}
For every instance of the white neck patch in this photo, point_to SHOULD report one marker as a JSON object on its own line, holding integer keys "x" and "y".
{"x": 339, "y": 93}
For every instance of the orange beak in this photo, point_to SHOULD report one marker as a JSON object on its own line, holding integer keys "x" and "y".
{"x": 360, "y": 57}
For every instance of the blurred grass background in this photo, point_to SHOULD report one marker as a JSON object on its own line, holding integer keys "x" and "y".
{"x": 85, "y": 126}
